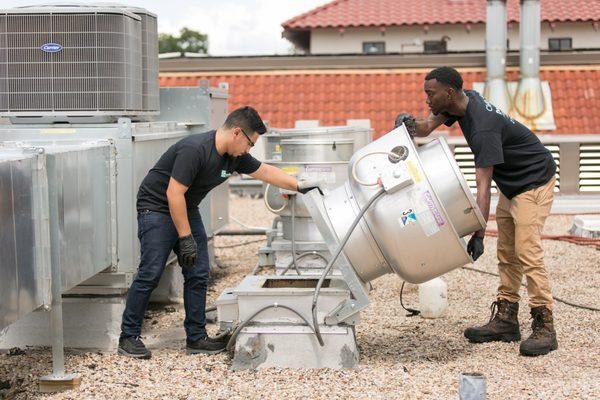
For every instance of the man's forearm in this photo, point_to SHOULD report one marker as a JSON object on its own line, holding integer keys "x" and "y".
{"x": 280, "y": 179}
{"x": 178, "y": 211}
{"x": 275, "y": 176}
{"x": 286, "y": 181}
{"x": 483, "y": 202}
{"x": 423, "y": 128}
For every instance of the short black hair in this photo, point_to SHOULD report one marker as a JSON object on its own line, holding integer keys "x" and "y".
{"x": 446, "y": 75}
{"x": 246, "y": 118}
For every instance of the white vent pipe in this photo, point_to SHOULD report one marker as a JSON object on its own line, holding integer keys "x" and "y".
{"x": 496, "y": 90}
{"x": 529, "y": 99}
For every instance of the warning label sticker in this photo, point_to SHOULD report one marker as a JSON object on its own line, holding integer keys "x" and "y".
{"x": 291, "y": 169}
{"x": 414, "y": 171}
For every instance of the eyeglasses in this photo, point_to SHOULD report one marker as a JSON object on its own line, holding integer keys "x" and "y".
{"x": 250, "y": 142}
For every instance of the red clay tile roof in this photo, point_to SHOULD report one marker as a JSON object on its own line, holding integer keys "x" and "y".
{"x": 355, "y": 13}
{"x": 332, "y": 96}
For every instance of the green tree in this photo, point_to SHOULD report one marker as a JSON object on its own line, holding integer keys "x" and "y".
{"x": 188, "y": 41}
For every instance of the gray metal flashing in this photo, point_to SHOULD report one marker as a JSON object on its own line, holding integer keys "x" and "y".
{"x": 361, "y": 61}
{"x": 89, "y": 9}
{"x": 546, "y": 138}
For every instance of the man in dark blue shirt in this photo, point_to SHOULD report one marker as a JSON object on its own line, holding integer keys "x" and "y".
{"x": 524, "y": 171}
{"x": 169, "y": 220}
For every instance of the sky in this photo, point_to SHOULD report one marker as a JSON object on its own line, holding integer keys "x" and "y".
{"x": 234, "y": 27}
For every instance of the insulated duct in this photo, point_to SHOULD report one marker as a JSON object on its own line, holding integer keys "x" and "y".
{"x": 496, "y": 90}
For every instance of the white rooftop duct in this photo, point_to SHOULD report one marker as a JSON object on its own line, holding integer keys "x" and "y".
{"x": 529, "y": 99}
{"x": 496, "y": 89}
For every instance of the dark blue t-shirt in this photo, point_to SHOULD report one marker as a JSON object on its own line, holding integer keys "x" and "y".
{"x": 520, "y": 160}
{"x": 194, "y": 162}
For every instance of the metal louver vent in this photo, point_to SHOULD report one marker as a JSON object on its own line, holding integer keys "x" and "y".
{"x": 77, "y": 60}
{"x": 589, "y": 168}
{"x": 149, "y": 62}
{"x": 466, "y": 162}
{"x": 555, "y": 151}
{"x": 150, "y": 89}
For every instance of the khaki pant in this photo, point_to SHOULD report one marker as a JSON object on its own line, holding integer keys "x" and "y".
{"x": 520, "y": 222}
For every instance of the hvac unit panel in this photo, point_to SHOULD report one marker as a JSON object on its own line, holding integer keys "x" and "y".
{"x": 57, "y": 60}
{"x": 42, "y": 102}
{"x": 3, "y": 64}
{"x": 149, "y": 64}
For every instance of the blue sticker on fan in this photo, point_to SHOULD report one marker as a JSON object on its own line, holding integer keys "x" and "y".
{"x": 51, "y": 47}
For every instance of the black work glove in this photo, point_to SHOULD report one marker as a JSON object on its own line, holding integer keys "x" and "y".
{"x": 408, "y": 121}
{"x": 306, "y": 185}
{"x": 475, "y": 247}
{"x": 188, "y": 251}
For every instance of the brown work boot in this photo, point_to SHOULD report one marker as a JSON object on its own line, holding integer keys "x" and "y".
{"x": 543, "y": 338}
{"x": 503, "y": 325}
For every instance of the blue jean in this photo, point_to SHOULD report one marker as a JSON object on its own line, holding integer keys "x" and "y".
{"x": 158, "y": 237}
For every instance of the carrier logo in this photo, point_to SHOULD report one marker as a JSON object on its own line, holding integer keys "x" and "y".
{"x": 51, "y": 47}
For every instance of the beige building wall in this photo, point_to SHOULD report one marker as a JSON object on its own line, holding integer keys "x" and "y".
{"x": 583, "y": 33}
{"x": 410, "y": 39}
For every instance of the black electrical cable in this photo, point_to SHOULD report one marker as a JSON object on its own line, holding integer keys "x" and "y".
{"x": 411, "y": 311}
{"x": 584, "y": 307}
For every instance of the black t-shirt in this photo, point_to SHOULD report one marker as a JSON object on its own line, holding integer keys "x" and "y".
{"x": 520, "y": 160}
{"x": 194, "y": 162}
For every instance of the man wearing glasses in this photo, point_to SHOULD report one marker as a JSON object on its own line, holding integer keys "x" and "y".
{"x": 169, "y": 220}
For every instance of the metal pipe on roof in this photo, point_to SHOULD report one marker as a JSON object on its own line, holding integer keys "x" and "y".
{"x": 496, "y": 90}
{"x": 529, "y": 99}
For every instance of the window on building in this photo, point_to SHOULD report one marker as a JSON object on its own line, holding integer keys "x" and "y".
{"x": 434, "y": 46}
{"x": 373, "y": 47}
{"x": 560, "y": 44}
